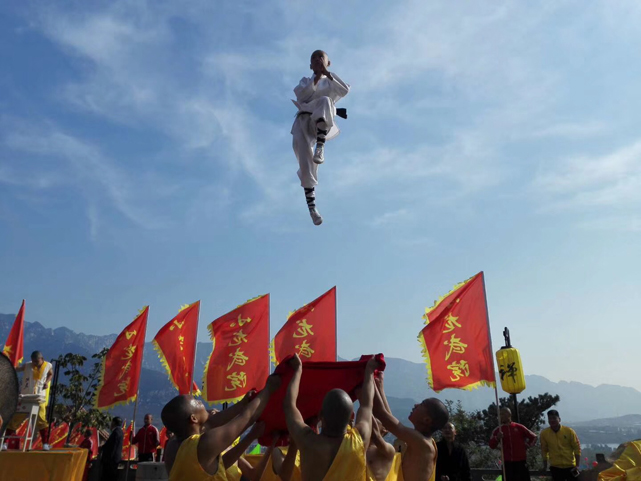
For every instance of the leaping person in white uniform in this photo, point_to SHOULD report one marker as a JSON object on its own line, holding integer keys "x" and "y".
{"x": 316, "y": 99}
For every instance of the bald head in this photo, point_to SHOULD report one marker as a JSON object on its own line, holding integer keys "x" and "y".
{"x": 506, "y": 415}
{"x": 336, "y": 412}
{"x": 437, "y": 412}
{"x": 182, "y": 412}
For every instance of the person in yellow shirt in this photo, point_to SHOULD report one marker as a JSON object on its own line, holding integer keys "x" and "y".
{"x": 201, "y": 437}
{"x": 338, "y": 452}
{"x": 561, "y": 449}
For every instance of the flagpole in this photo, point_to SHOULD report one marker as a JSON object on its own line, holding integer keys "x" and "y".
{"x": 496, "y": 390}
{"x": 131, "y": 434}
{"x": 336, "y": 322}
{"x": 193, "y": 367}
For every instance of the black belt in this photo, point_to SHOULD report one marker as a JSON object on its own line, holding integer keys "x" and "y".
{"x": 342, "y": 113}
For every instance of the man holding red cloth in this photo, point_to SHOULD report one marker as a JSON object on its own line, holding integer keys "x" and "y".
{"x": 516, "y": 441}
{"x": 147, "y": 439}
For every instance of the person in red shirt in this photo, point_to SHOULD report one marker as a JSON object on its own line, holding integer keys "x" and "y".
{"x": 147, "y": 439}
{"x": 87, "y": 443}
{"x": 516, "y": 440}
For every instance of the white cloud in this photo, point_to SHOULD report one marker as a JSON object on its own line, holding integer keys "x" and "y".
{"x": 609, "y": 180}
{"x": 391, "y": 218}
{"x": 83, "y": 167}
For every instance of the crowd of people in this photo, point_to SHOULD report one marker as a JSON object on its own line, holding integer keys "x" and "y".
{"x": 342, "y": 445}
{"x": 337, "y": 444}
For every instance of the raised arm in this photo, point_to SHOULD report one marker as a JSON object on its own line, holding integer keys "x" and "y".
{"x": 305, "y": 89}
{"x": 256, "y": 473}
{"x": 223, "y": 417}
{"x": 217, "y": 439}
{"x": 379, "y": 381}
{"x": 296, "y": 426}
{"x": 231, "y": 456}
{"x": 363, "y": 421}
{"x": 408, "y": 435}
{"x": 340, "y": 88}
{"x": 287, "y": 468}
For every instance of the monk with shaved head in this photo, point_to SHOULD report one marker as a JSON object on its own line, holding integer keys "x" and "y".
{"x": 195, "y": 453}
{"x": 427, "y": 417}
{"x": 338, "y": 452}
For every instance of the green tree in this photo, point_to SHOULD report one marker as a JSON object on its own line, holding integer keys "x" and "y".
{"x": 75, "y": 397}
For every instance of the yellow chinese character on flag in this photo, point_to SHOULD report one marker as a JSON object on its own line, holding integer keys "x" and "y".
{"x": 450, "y": 323}
{"x": 123, "y": 386}
{"x": 125, "y": 369}
{"x": 304, "y": 329}
{"x": 239, "y": 337}
{"x": 129, "y": 352}
{"x": 459, "y": 369}
{"x": 177, "y": 324}
{"x": 455, "y": 346}
{"x": 305, "y": 350}
{"x": 238, "y": 380}
{"x": 238, "y": 357}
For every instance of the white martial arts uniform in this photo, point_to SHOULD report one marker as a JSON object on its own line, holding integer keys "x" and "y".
{"x": 314, "y": 102}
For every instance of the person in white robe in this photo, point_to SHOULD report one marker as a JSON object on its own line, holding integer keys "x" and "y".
{"x": 316, "y": 99}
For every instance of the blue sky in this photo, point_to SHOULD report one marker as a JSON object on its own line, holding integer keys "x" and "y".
{"x": 145, "y": 158}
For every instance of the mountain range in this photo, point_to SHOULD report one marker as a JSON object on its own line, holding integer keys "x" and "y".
{"x": 404, "y": 380}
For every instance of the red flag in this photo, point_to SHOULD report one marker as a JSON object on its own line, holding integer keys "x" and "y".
{"x": 128, "y": 451}
{"x": 239, "y": 359}
{"x": 14, "y": 346}
{"x": 57, "y": 437}
{"x": 78, "y": 434}
{"x": 176, "y": 347}
{"x": 122, "y": 364}
{"x": 309, "y": 332}
{"x": 456, "y": 340}
{"x": 163, "y": 437}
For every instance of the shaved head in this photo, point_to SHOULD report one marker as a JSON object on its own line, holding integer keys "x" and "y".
{"x": 182, "y": 411}
{"x": 437, "y": 412}
{"x": 336, "y": 412}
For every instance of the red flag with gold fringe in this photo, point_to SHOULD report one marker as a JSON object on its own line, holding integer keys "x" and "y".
{"x": 122, "y": 364}
{"x": 456, "y": 340}
{"x": 239, "y": 360}
{"x": 175, "y": 344}
{"x": 128, "y": 451}
{"x": 14, "y": 346}
{"x": 309, "y": 332}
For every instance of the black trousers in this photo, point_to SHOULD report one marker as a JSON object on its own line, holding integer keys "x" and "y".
{"x": 562, "y": 474}
{"x": 517, "y": 471}
{"x": 147, "y": 457}
{"x": 109, "y": 472}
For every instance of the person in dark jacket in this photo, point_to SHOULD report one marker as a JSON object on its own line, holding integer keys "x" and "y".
{"x": 452, "y": 463}
{"x": 112, "y": 452}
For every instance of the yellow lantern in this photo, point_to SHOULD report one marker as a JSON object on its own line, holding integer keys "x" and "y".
{"x": 510, "y": 370}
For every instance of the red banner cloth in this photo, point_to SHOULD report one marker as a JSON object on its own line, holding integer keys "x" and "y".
{"x": 176, "y": 347}
{"x": 309, "y": 332}
{"x": 239, "y": 359}
{"x": 317, "y": 380}
{"x": 14, "y": 346}
{"x": 456, "y": 340}
{"x": 122, "y": 364}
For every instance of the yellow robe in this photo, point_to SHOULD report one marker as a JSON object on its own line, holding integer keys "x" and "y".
{"x": 233, "y": 473}
{"x": 627, "y": 467}
{"x": 349, "y": 462}
{"x": 187, "y": 467}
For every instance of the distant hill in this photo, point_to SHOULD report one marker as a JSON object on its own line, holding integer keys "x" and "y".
{"x": 404, "y": 380}
{"x": 630, "y": 420}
